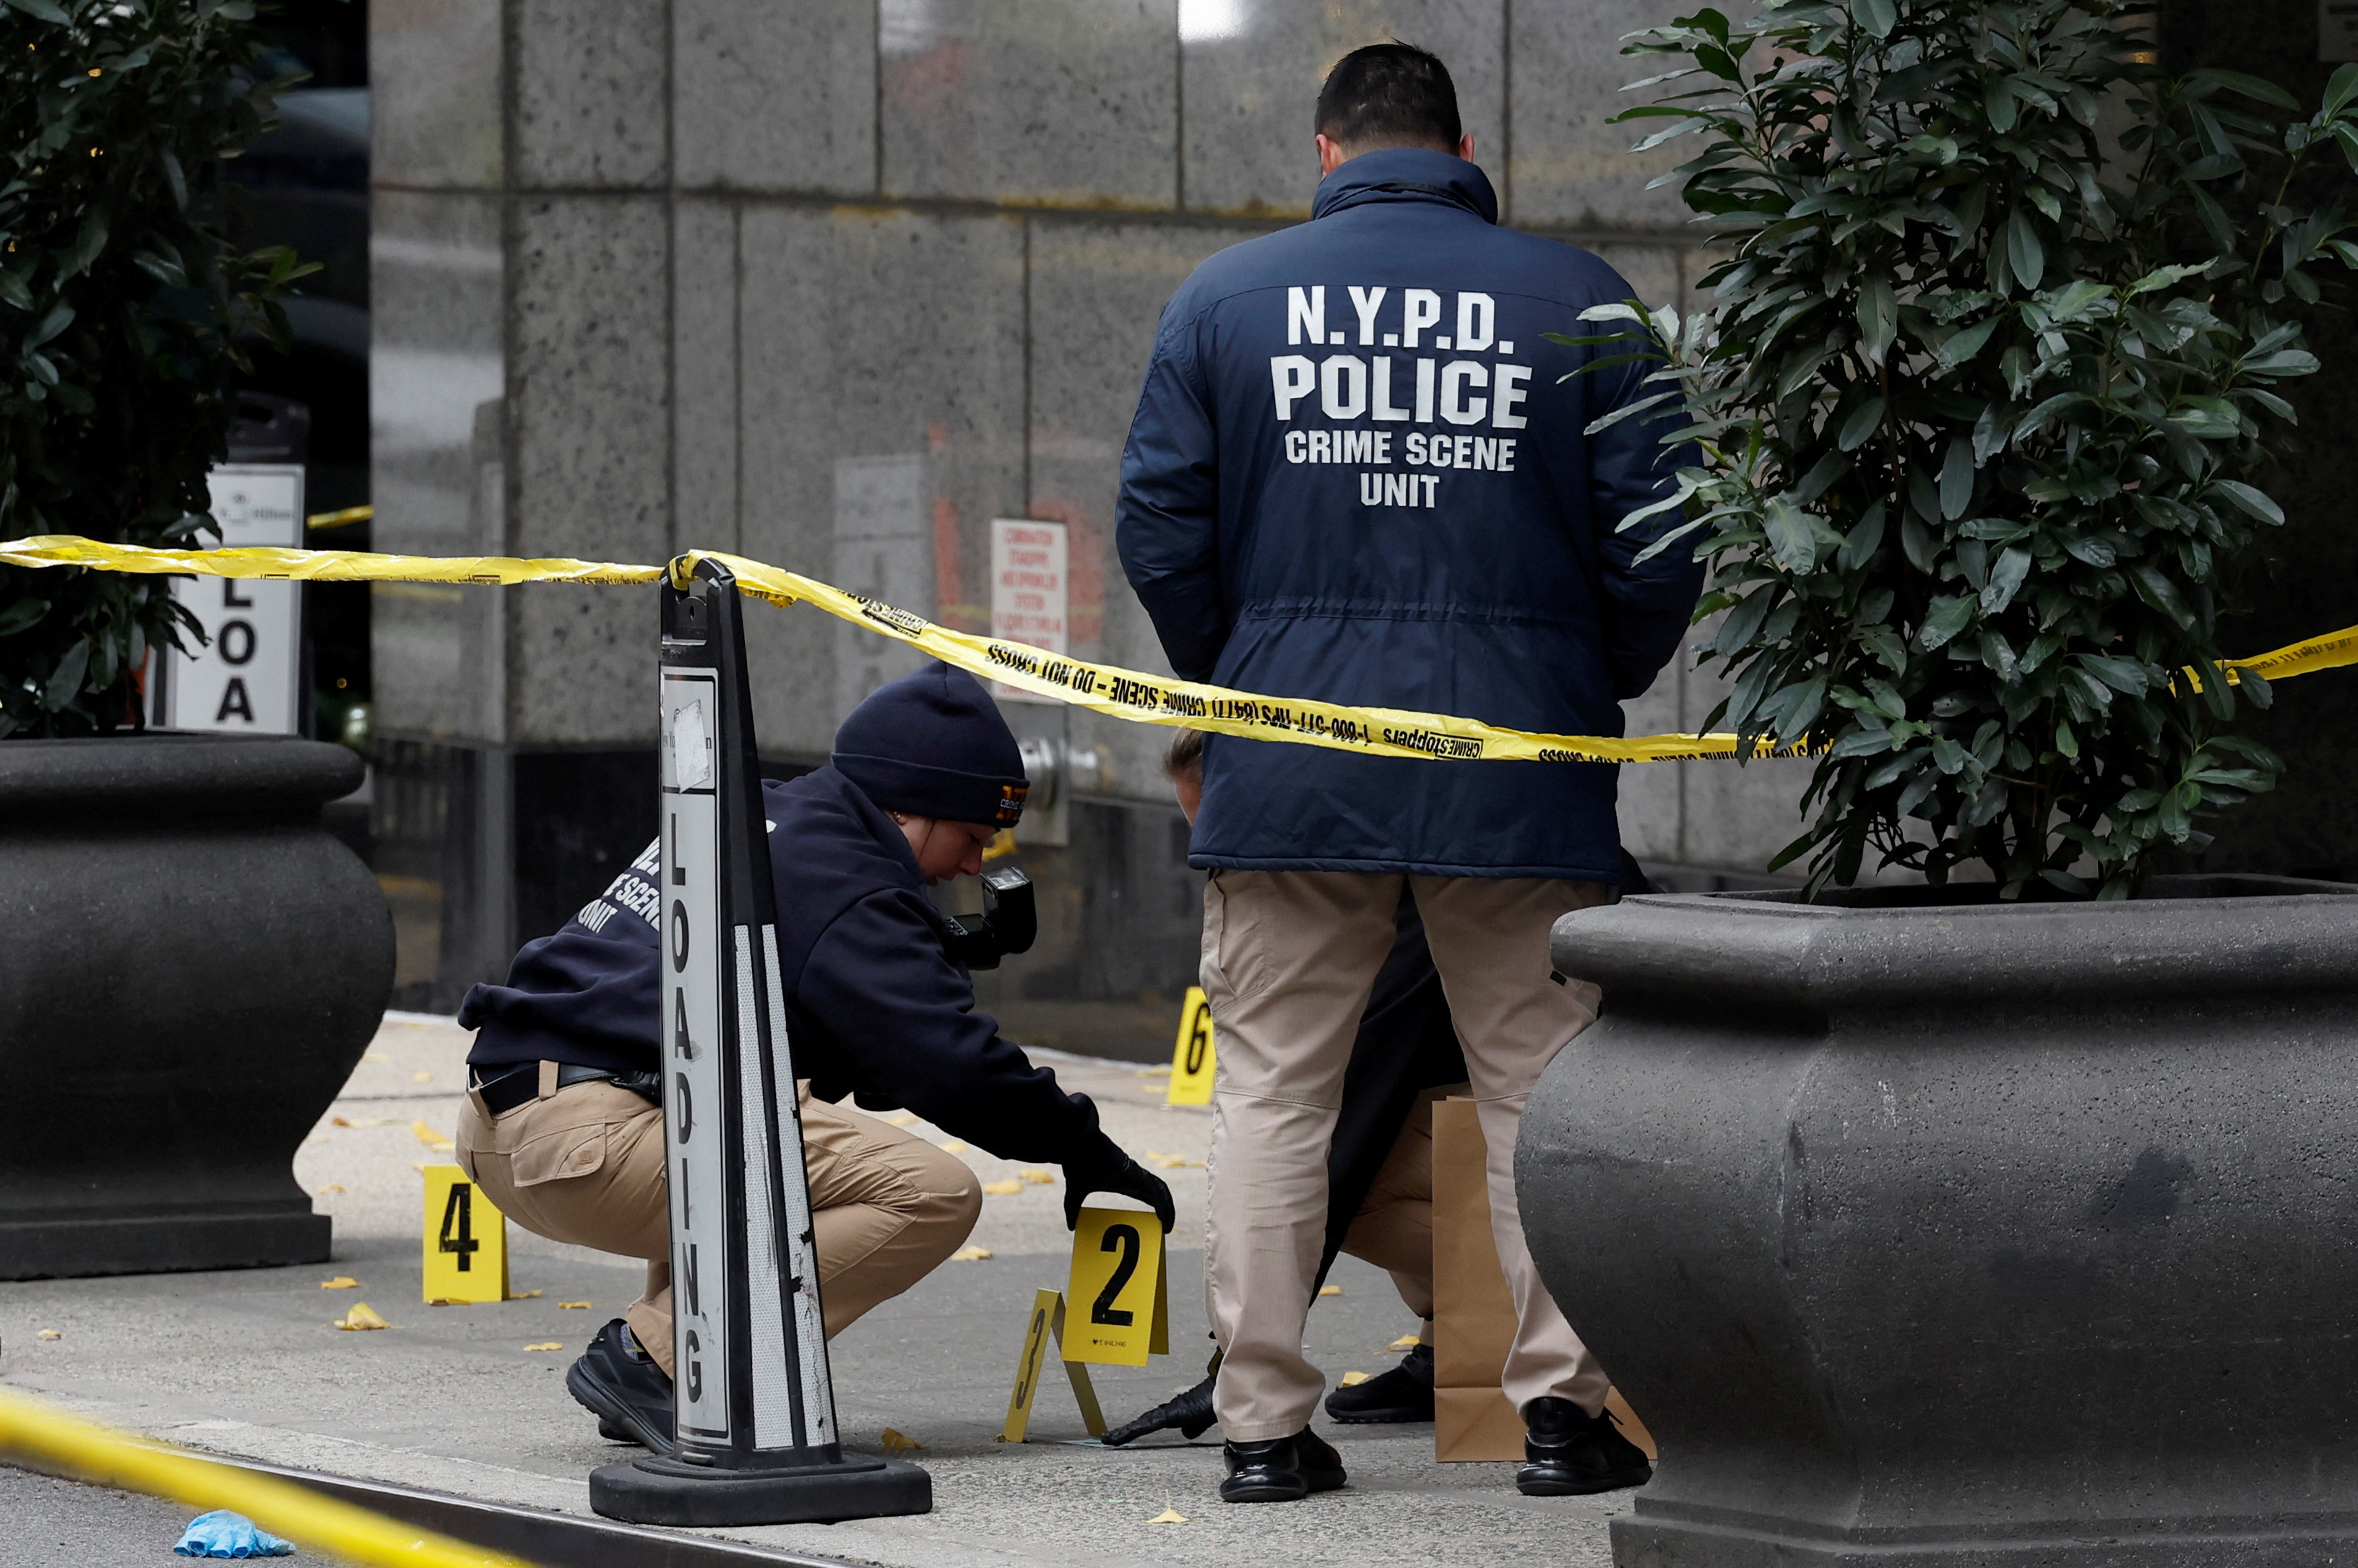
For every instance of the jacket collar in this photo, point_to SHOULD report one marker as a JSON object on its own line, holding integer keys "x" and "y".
{"x": 1407, "y": 174}
{"x": 891, "y": 841}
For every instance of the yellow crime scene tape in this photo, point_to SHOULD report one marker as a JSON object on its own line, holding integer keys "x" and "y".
{"x": 1104, "y": 689}
{"x": 53, "y": 1440}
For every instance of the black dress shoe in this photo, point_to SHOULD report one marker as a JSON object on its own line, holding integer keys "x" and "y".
{"x": 1571, "y": 1453}
{"x": 620, "y": 1384}
{"x": 1404, "y": 1393}
{"x": 1280, "y": 1469}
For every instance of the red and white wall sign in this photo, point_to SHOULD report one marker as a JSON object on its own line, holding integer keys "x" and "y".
{"x": 1031, "y": 591}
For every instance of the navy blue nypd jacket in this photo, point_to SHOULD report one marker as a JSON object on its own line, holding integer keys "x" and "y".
{"x": 1355, "y": 475}
{"x": 874, "y": 1007}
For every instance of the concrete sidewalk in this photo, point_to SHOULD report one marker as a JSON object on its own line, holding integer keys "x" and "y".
{"x": 450, "y": 1398}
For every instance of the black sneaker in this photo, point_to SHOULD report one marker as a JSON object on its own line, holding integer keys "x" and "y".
{"x": 1404, "y": 1393}
{"x": 1280, "y": 1469}
{"x": 620, "y": 1384}
{"x": 1571, "y": 1453}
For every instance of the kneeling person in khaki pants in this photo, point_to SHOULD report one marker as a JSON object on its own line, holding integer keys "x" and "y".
{"x": 562, "y": 1131}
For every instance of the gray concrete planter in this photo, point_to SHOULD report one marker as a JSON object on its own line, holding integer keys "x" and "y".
{"x": 1968, "y": 1235}
{"x": 190, "y": 968}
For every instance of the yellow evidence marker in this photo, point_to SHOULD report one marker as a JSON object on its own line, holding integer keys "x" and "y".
{"x": 1047, "y": 1323}
{"x": 466, "y": 1240}
{"x": 1193, "y": 1059}
{"x": 1121, "y": 1297}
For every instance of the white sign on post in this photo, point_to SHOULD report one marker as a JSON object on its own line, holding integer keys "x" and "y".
{"x": 1031, "y": 592}
{"x": 695, "y": 1115}
{"x": 247, "y": 677}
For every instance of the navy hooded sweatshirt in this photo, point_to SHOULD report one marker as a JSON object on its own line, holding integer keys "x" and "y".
{"x": 875, "y": 1009}
{"x": 1356, "y": 474}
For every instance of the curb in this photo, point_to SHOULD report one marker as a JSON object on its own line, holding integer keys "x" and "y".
{"x": 540, "y": 1536}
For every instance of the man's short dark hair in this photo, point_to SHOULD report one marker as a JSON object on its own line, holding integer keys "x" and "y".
{"x": 1186, "y": 755}
{"x": 1389, "y": 95}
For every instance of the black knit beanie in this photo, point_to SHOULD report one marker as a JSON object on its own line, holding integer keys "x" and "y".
{"x": 933, "y": 744}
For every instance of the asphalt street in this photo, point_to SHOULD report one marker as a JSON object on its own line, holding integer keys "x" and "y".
{"x": 49, "y": 1523}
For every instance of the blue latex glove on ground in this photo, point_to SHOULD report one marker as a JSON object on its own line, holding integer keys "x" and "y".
{"x": 222, "y": 1533}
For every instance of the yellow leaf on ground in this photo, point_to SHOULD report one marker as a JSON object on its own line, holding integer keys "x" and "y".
{"x": 1405, "y": 1342}
{"x": 523, "y": 1295}
{"x": 362, "y": 1315}
{"x": 340, "y": 1283}
{"x": 362, "y": 1121}
{"x": 547, "y": 1345}
{"x": 899, "y": 1442}
{"x": 331, "y": 1187}
{"x": 1353, "y": 1379}
{"x": 1002, "y": 1189}
{"x": 1173, "y": 1162}
{"x": 1038, "y": 1178}
{"x": 576, "y": 1306}
{"x": 421, "y": 1078}
{"x": 1330, "y": 1289}
{"x": 955, "y": 1146}
{"x": 431, "y": 1138}
{"x": 1169, "y": 1514}
{"x": 971, "y": 1255}
{"x": 48, "y": 1334}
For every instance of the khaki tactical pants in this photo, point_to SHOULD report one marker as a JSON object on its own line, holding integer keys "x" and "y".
{"x": 1288, "y": 961}
{"x": 585, "y": 1165}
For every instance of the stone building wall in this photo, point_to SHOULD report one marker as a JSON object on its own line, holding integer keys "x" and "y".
{"x": 833, "y": 283}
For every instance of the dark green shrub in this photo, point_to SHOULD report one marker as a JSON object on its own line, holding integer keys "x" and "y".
{"x": 119, "y": 304}
{"x": 1986, "y": 399}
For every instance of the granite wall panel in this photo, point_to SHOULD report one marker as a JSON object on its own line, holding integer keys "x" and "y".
{"x": 1736, "y": 815}
{"x": 1651, "y": 794}
{"x": 1695, "y": 264}
{"x": 783, "y": 95}
{"x": 439, "y": 441}
{"x": 869, "y": 334}
{"x": 1572, "y": 168}
{"x": 435, "y": 112}
{"x": 590, "y": 382}
{"x": 1061, "y": 103}
{"x": 883, "y": 549}
{"x": 1097, "y": 290}
{"x": 591, "y": 81}
{"x": 705, "y": 500}
{"x": 1251, "y": 73}
{"x": 1651, "y": 270}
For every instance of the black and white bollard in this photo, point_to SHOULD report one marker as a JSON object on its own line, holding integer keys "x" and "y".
{"x": 753, "y": 1407}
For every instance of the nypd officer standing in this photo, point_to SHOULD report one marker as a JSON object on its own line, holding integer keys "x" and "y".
{"x": 1359, "y": 473}
{"x": 561, "y": 1130}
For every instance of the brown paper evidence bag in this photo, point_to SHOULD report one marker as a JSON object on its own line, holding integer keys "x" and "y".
{"x": 1474, "y": 1317}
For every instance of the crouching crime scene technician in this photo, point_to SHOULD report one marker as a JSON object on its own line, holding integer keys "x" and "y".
{"x": 563, "y": 1130}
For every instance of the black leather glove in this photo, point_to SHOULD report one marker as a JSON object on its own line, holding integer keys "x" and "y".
{"x": 1190, "y": 1414}
{"x": 1109, "y": 1170}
